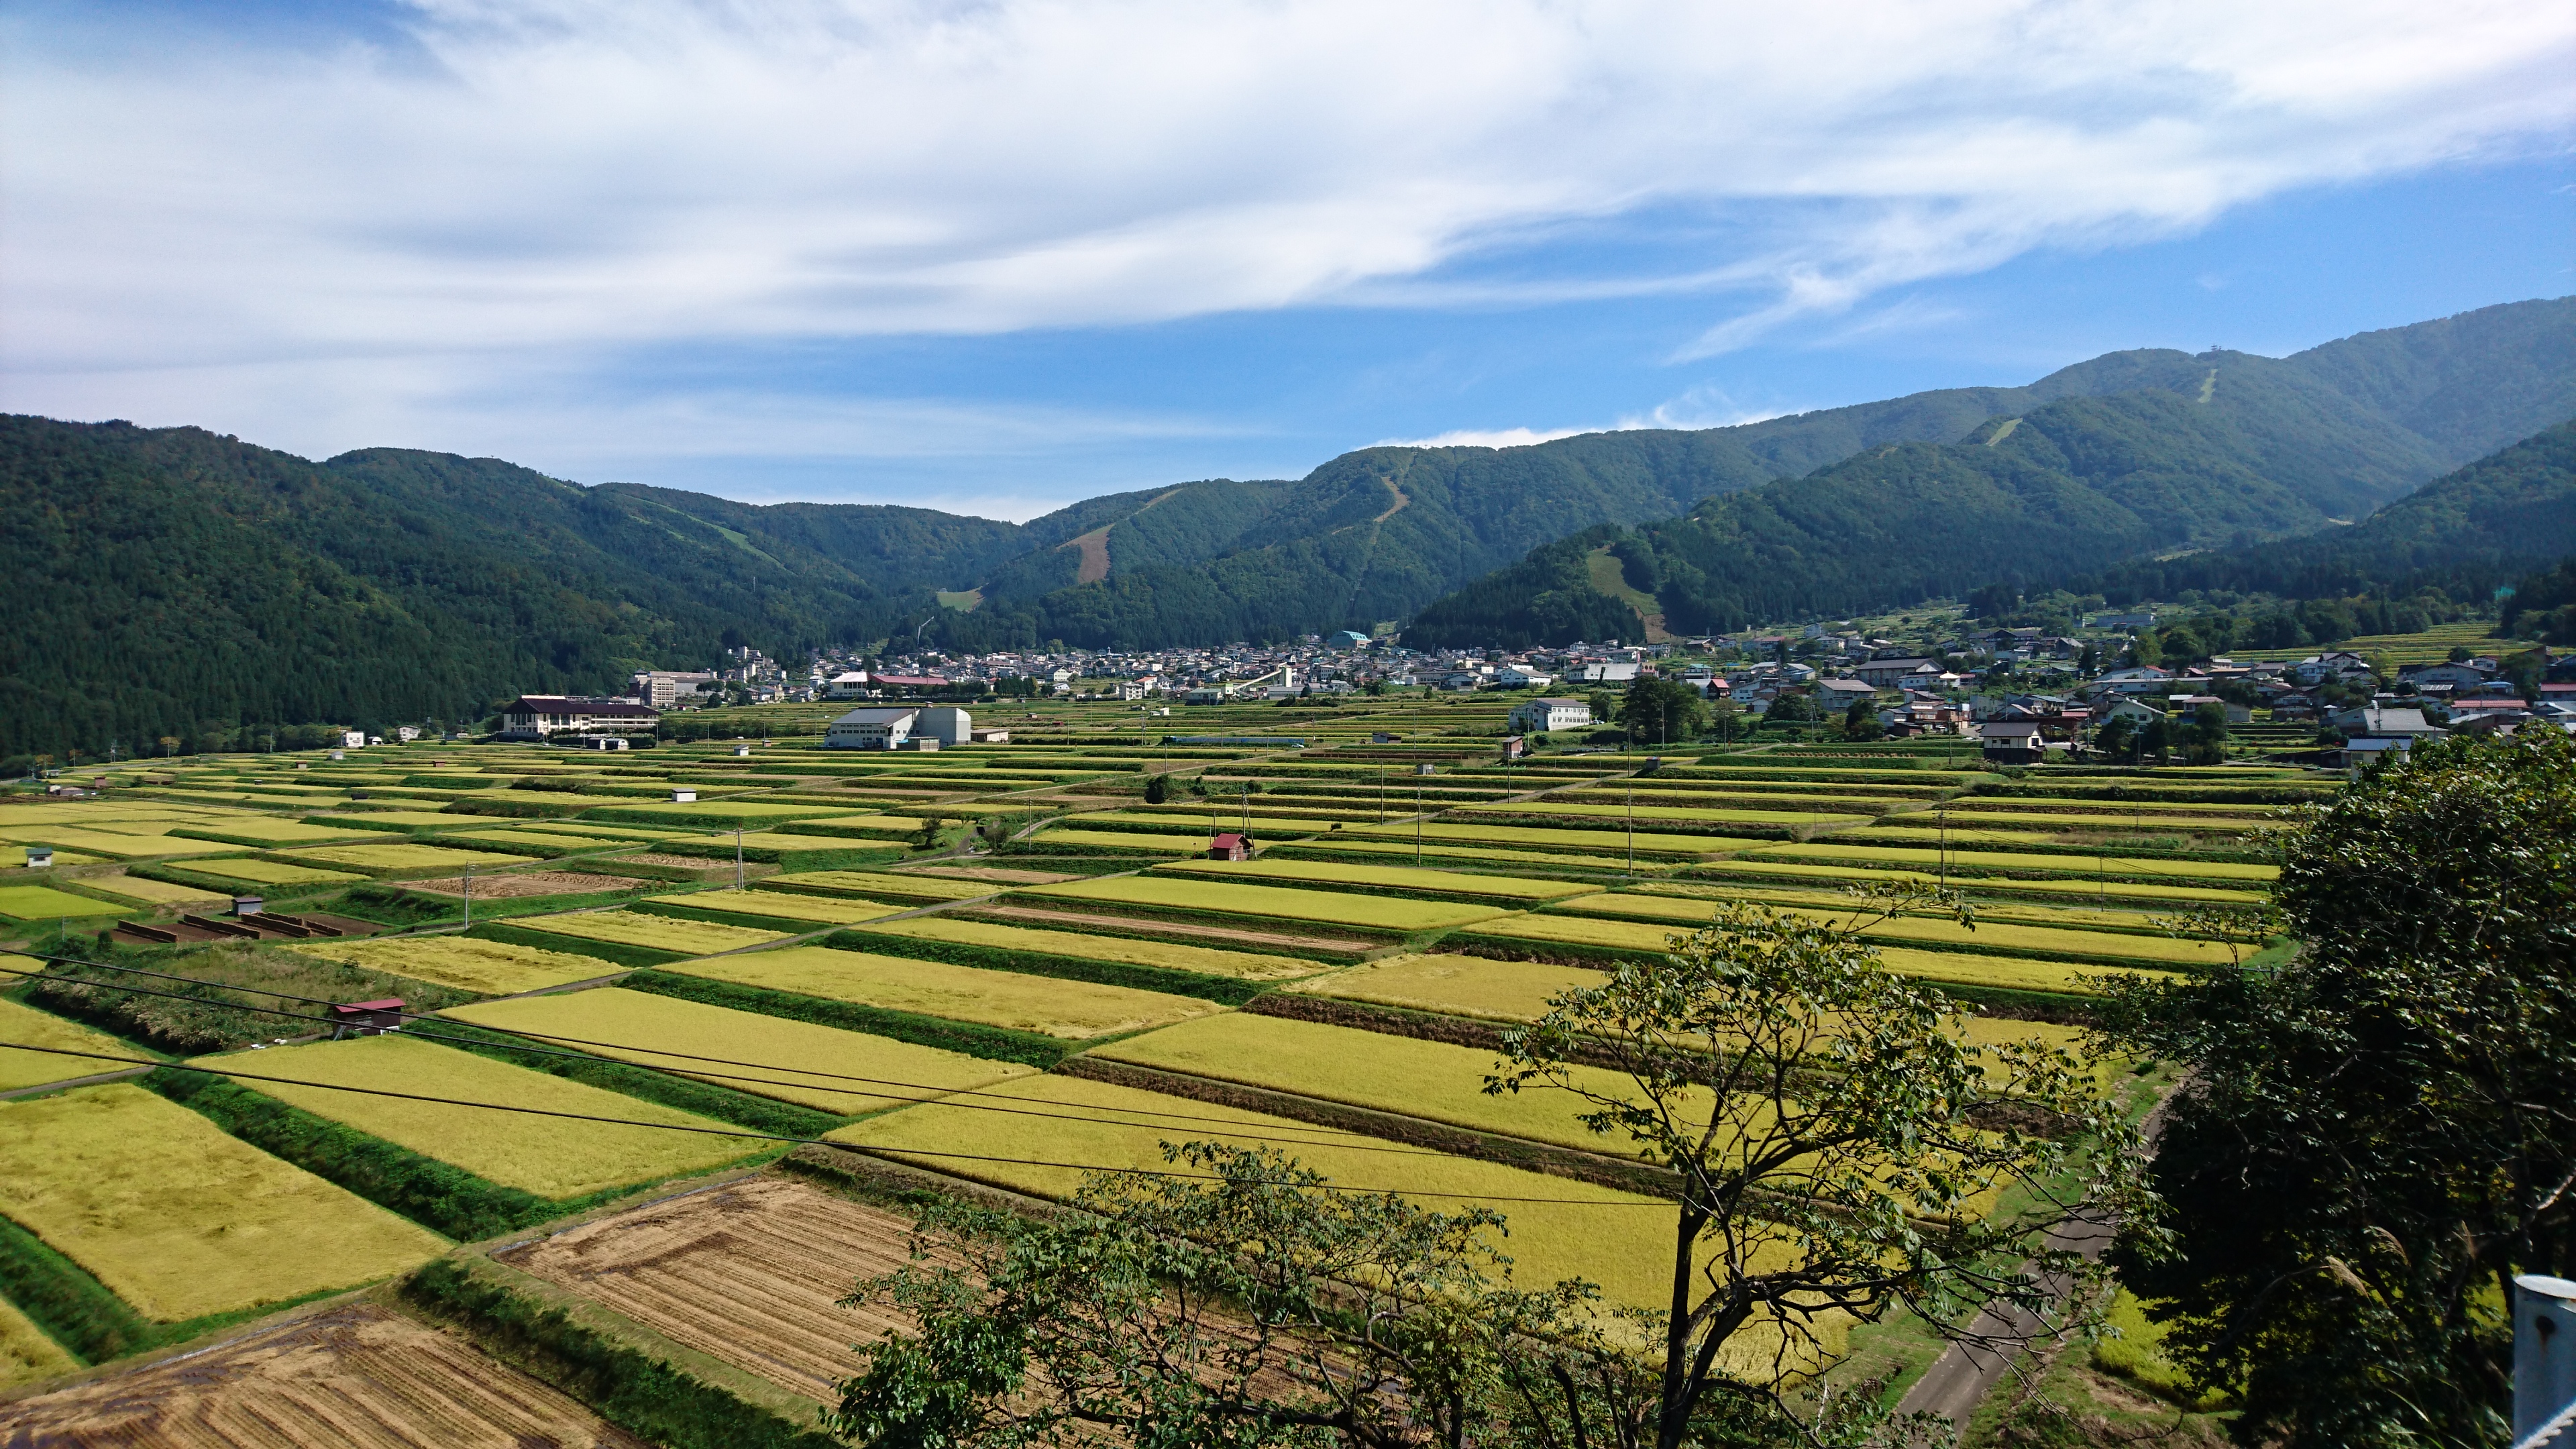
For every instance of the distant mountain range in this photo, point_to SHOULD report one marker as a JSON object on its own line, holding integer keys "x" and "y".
{"x": 176, "y": 582}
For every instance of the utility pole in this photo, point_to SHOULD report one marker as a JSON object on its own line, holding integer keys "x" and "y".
{"x": 469, "y": 898}
{"x": 1631, "y": 795}
{"x": 1417, "y": 821}
{"x": 737, "y": 858}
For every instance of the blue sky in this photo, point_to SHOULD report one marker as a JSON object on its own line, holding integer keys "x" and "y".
{"x": 996, "y": 257}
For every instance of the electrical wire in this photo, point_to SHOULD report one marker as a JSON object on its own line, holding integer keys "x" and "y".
{"x": 783, "y": 1137}
{"x": 1330, "y": 1137}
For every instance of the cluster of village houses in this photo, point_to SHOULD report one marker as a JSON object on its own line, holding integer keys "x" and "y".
{"x": 1908, "y": 690}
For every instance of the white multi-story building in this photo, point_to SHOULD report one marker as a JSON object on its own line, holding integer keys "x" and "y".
{"x": 1531, "y": 716}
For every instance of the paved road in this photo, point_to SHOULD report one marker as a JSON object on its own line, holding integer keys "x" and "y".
{"x": 1961, "y": 1377}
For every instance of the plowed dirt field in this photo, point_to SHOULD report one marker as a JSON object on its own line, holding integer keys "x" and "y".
{"x": 355, "y": 1377}
{"x": 747, "y": 1273}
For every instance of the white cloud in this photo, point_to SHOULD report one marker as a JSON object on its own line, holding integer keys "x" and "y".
{"x": 1484, "y": 438}
{"x": 549, "y": 183}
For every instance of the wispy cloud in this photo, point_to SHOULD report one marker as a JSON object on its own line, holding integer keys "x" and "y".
{"x": 554, "y": 183}
{"x": 1484, "y": 438}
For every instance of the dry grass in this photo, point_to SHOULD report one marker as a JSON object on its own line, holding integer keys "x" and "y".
{"x": 1071, "y": 1009}
{"x": 178, "y": 1218}
{"x": 831, "y": 1070}
{"x": 552, "y": 1157}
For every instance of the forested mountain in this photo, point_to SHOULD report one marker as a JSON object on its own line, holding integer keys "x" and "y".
{"x": 175, "y": 582}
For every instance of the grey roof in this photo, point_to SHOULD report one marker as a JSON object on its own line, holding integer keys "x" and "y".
{"x": 882, "y": 715}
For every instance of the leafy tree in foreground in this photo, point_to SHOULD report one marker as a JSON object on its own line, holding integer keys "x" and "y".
{"x": 2380, "y": 1132}
{"x": 1659, "y": 711}
{"x": 1837, "y": 1146}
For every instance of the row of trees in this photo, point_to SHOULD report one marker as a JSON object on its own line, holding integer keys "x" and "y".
{"x": 2374, "y": 1134}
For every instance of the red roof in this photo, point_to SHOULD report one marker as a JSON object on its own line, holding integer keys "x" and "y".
{"x": 1226, "y": 841}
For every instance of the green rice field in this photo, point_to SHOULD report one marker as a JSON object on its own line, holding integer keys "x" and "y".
{"x": 44, "y": 903}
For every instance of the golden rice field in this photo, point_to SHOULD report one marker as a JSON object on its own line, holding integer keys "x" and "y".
{"x": 2073, "y": 888}
{"x": 486, "y": 968}
{"x": 1593, "y": 842}
{"x": 1075, "y": 1010}
{"x": 404, "y": 855}
{"x": 1144, "y": 841}
{"x": 1687, "y": 913}
{"x": 405, "y": 819}
{"x": 1959, "y": 968}
{"x": 270, "y": 872}
{"x": 780, "y": 906}
{"x": 267, "y": 831}
{"x": 1769, "y": 819}
{"x": 1403, "y": 1075}
{"x": 180, "y": 1219}
{"x": 26, "y": 1354}
{"x": 115, "y": 845}
{"x": 25, "y": 1026}
{"x": 1334, "y": 872}
{"x": 880, "y": 885}
{"x": 661, "y": 933}
{"x": 1456, "y": 985}
{"x": 1275, "y": 902}
{"x": 1437, "y": 854}
{"x": 2235, "y": 824}
{"x": 44, "y": 903}
{"x": 1560, "y": 1228}
{"x": 532, "y": 840}
{"x": 2006, "y": 860}
{"x": 148, "y": 892}
{"x": 1126, "y": 950}
{"x": 549, "y": 1156}
{"x": 831, "y": 1070}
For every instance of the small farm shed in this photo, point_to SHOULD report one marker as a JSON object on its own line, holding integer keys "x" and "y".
{"x": 366, "y": 1018}
{"x": 1230, "y": 846}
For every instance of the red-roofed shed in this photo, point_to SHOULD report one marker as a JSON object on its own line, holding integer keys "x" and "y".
{"x": 1230, "y": 846}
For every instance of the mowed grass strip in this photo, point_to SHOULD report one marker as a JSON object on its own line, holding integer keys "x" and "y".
{"x": 1391, "y": 877}
{"x": 778, "y": 906}
{"x": 486, "y": 968}
{"x": 1083, "y": 945}
{"x": 1473, "y": 986}
{"x": 180, "y": 1219}
{"x": 1072, "y": 1010}
{"x": 660, "y": 933}
{"x": 1403, "y": 1075}
{"x": 2008, "y": 860}
{"x": 553, "y": 1157}
{"x": 793, "y": 1061}
{"x": 1228, "y": 898}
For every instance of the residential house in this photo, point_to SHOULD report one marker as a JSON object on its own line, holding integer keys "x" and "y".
{"x": 1532, "y": 716}
{"x": 1844, "y": 693}
{"x": 2373, "y": 722}
{"x": 1895, "y": 673}
{"x": 1513, "y": 676}
{"x": 2145, "y": 679}
{"x": 2010, "y": 742}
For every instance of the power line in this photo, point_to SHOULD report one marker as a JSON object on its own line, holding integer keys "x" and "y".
{"x": 941, "y": 1093}
{"x": 775, "y": 1136}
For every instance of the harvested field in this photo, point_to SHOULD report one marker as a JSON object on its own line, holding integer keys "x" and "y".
{"x": 660, "y": 933}
{"x": 354, "y": 1377}
{"x": 1276, "y": 902}
{"x": 26, "y": 1026}
{"x": 486, "y": 968}
{"x": 519, "y": 884}
{"x": 1456, "y": 985}
{"x": 552, "y": 1157}
{"x": 178, "y": 1218}
{"x": 26, "y": 1354}
{"x": 748, "y": 1273}
{"x": 1074, "y": 1010}
{"x": 1170, "y": 955}
{"x": 794, "y": 1061}
{"x": 652, "y": 857}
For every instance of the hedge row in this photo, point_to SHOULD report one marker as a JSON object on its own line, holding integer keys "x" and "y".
{"x": 438, "y": 1196}
{"x": 707, "y": 1099}
{"x": 630, "y": 1389}
{"x": 993, "y": 1043}
{"x": 1224, "y": 990}
{"x": 73, "y": 1308}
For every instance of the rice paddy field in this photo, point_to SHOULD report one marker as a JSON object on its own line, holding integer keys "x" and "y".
{"x": 1087, "y": 946}
{"x": 486, "y": 968}
{"x": 25, "y": 1026}
{"x": 554, "y": 1157}
{"x": 845, "y": 1073}
{"x": 1073, "y": 1010}
{"x": 44, "y": 903}
{"x": 659, "y": 933}
{"x": 177, "y": 1218}
{"x": 1363, "y": 909}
